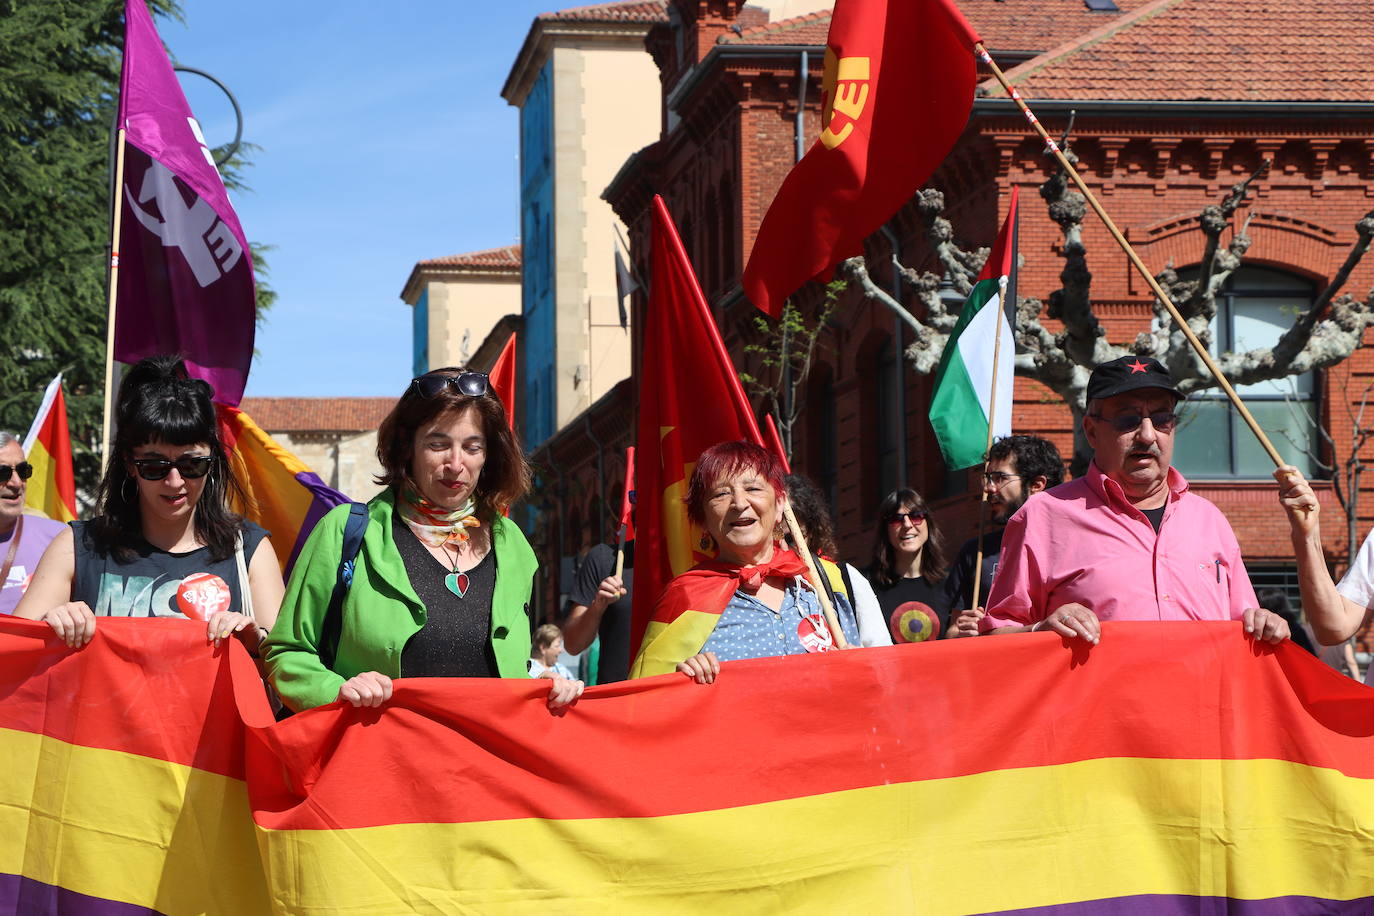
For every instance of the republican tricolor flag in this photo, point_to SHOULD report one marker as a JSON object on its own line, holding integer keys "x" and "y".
{"x": 964, "y": 403}
{"x": 48, "y": 447}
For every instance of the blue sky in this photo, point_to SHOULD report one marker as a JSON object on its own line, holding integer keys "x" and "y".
{"x": 384, "y": 140}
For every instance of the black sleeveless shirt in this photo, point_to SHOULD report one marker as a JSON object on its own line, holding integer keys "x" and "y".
{"x": 455, "y": 640}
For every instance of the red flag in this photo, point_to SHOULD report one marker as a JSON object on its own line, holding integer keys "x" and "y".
{"x": 185, "y": 272}
{"x": 503, "y": 379}
{"x": 898, "y": 88}
{"x": 627, "y": 501}
{"x": 48, "y": 448}
{"x": 690, "y": 398}
{"x": 774, "y": 442}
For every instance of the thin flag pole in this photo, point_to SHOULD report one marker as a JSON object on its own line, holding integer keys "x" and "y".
{"x": 106, "y": 429}
{"x": 832, "y": 621}
{"x": 992, "y": 420}
{"x": 1150, "y": 281}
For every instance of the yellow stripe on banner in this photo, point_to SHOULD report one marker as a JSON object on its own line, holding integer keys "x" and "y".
{"x": 128, "y": 828}
{"x": 1008, "y": 839}
{"x": 666, "y": 644}
{"x": 41, "y": 492}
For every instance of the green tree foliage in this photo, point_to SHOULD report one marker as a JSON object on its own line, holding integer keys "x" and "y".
{"x": 59, "y": 78}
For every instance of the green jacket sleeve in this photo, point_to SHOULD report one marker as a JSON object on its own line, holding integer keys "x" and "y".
{"x": 291, "y": 651}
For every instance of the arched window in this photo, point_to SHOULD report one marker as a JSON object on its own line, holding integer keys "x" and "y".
{"x": 1254, "y": 308}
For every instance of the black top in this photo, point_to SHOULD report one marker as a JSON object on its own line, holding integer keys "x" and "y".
{"x": 1156, "y": 516}
{"x": 915, "y": 610}
{"x": 615, "y": 623}
{"x": 455, "y": 640}
{"x": 158, "y": 583}
{"x": 959, "y": 585}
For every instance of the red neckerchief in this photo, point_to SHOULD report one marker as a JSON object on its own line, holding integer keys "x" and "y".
{"x": 708, "y": 587}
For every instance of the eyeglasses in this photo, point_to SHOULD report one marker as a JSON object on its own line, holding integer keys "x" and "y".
{"x": 1162, "y": 420}
{"x": 472, "y": 384}
{"x": 190, "y": 467}
{"x": 23, "y": 469}
{"x": 997, "y": 478}
{"x": 897, "y": 518}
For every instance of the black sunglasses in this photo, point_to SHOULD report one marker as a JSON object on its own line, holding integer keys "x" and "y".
{"x": 897, "y": 518}
{"x": 472, "y": 384}
{"x": 1162, "y": 420}
{"x": 190, "y": 467}
{"x": 23, "y": 469}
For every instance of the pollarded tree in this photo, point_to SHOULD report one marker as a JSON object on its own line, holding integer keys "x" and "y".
{"x": 1320, "y": 337}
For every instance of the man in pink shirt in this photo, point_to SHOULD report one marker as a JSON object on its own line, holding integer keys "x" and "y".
{"x": 1127, "y": 541}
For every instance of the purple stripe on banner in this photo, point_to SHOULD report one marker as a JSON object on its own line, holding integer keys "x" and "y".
{"x": 28, "y": 897}
{"x": 1184, "y": 905}
{"x": 323, "y": 498}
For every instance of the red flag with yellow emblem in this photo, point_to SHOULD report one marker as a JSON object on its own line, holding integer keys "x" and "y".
{"x": 898, "y": 88}
{"x": 690, "y": 398}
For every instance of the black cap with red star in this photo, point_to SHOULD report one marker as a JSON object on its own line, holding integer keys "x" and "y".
{"x": 1129, "y": 373}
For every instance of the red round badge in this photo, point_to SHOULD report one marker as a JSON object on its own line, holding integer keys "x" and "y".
{"x": 200, "y": 595}
{"x": 914, "y": 621}
{"x": 814, "y": 634}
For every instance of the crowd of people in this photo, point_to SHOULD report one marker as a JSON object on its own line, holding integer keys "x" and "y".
{"x": 431, "y": 579}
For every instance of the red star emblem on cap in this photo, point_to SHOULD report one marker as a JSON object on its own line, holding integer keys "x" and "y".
{"x": 1137, "y": 366}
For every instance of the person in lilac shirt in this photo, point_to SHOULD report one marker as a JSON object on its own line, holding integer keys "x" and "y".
{"x": 23, "y": 538}
{"x": 1128, "y": 540}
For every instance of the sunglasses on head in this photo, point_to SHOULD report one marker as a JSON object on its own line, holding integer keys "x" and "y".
{"x": 190, "y": 467}
{"x": 897, "y": 518}
{"x": 472, "y": 384}
{"x": 23, "y": 469}
{"x": 1161, "y": 420}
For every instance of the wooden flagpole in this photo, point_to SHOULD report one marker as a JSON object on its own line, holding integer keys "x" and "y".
{"x": 1150, "y": 281}
{"x": 106, "y": 429}
{"x": 831, "y": 620}
{"x": 992, "y": 418}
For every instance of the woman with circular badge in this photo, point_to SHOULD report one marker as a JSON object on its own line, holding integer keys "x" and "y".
{"x": 909, "y": 568}
{"x": 164, "y": 543}
{"x": 442, "y": 580}
{"x": 752, "y": 600}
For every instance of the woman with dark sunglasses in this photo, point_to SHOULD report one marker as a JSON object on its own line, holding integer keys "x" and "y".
{"x": 441, "y": 584}
{"x": 165, "y": 542}
{"x": 909, "y": 568}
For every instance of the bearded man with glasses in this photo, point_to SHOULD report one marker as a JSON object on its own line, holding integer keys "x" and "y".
{"x": 1128, "y": 540}
{"x": 23, "y": 538}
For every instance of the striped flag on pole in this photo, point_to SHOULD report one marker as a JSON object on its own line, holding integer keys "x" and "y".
{"x": 963, "y": 401}
{"x": 48, "y": 447}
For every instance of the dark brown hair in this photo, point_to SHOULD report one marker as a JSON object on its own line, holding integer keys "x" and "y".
{"x": 934, "y": 559}
{"x": 808, "y": 505}
{"x": 505, "y": 476}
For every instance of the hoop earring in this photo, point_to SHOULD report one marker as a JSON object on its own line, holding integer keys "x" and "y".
{"x": 131, "y": 500}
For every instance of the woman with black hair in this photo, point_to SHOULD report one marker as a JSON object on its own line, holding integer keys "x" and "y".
{"x": 909, "y": 568}
{"x": 165, "y": 543}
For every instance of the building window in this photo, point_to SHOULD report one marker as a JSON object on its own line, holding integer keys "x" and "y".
{"x": 1254, "y": 308}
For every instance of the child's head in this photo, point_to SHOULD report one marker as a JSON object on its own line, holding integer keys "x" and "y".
{"x": 548, "y": 644}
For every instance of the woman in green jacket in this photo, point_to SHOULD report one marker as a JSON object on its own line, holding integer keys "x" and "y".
{"x": 441, "y": 585}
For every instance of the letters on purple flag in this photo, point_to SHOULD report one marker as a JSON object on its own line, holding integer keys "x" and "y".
{"x": 185, "y": 271}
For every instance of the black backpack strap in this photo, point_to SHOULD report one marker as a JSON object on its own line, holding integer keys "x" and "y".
{"x": 354, "y": 529}
{"x": 848, "y": 585}
{"x": 825, "y": 581}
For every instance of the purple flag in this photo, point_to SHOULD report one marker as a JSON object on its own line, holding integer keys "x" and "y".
{"x": 185, "y": 272}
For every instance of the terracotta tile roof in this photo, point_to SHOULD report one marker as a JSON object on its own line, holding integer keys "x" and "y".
{"x": 506, "y": 256}
{"x": 1006, "y": 25}
{"x": 284, "y": 415}
{"x": 1223, "y": 50}
{"x": 625, "y": 11}
{"x": 810, "y": 29}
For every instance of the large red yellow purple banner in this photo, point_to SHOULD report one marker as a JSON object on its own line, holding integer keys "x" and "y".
{"x": 1174, "y": 768}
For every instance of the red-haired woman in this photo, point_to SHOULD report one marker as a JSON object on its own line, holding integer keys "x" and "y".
{"x": 441, "y": 586}
{"x": 753, "y": 600}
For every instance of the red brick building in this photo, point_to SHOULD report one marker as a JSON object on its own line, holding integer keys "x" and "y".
{"x": 1174, "y": 101}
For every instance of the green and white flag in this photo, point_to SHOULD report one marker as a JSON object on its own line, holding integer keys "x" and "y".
{"x": 963, "y": 403}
